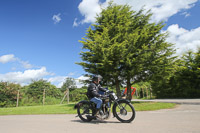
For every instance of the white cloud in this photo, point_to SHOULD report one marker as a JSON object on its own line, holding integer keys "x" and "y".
{"x": 7, "y": 58}
{"x": 75, "y": 24}
{"x": 57, "y": 81}
{"x": 25, "y": 64}
{"x": 11, "y": 58}
{"x": 184, "y": 39}
{"x": 83, "y": 78}
{"x": 161, "y": 9}
{"x": 56, "y": 18}
{"x": 79, "y": 82}
{"x": 186, "y": 14}
{"x": 71, "y": 74}
{"x": 25, "y": 77}
{"x": 89, "y": 9}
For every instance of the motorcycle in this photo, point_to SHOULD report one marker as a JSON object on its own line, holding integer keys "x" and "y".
{"x": 122, "y": 109}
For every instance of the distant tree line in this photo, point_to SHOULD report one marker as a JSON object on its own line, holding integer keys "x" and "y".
{"x": 182, "y": 81}
{"x": 37, "y": 91}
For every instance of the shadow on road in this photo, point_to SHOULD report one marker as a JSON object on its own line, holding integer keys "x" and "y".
{"x": 94, "y": 121}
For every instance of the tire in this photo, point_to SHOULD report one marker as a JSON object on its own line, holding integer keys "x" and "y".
{"x": 85, "y": 112}
{"x": 125, "y": 112}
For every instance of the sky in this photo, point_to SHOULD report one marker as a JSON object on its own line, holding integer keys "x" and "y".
{"x": 39, "y": 39}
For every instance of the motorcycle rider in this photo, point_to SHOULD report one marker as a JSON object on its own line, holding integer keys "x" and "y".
{"x": 93, "y": 93}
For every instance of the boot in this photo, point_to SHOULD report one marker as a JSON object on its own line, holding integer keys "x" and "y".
{"x": 101, "y": 112}
{"x": 98, "y": 111}
{"x": 94, "y": 115}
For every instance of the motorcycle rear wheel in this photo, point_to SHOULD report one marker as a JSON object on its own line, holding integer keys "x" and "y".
{"x": 124, "y": 111}
{"x": 85, "y": 112}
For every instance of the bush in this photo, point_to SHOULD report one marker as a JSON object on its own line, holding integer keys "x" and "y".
{"x": 26, "y": 101}
{"x": 36, "y": 89}
{"x": 78, "y": 95}
{"x": 52, "y": 100}
{"x": 8, "y": 93}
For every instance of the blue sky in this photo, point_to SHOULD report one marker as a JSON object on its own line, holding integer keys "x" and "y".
{"x": 39, "y": 38}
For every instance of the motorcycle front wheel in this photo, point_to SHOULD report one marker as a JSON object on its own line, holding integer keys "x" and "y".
{"x": 85, "y": 112}
{"x": 124, "y": 111}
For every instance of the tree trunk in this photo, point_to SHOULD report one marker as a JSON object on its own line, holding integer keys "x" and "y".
{"x": 129, "y": 97}
{"x": 118, "y": 87}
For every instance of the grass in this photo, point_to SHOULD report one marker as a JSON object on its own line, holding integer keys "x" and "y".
{"x": 149, "y": 106}
{"x": 47, "y": 109}
{"x": 68, "y": 108}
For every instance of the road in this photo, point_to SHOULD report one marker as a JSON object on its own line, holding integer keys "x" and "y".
{"x": 178, "y": 101}
{"x": 183, "y": 119}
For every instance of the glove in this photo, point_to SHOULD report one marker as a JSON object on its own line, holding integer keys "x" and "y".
{"x": 103, "y": 96}
{"x": 107, "y": 91}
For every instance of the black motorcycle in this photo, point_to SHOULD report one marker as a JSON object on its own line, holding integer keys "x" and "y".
{"x": 122, "y": 109}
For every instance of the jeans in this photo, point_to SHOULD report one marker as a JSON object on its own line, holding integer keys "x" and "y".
{"x": 97, "y": 101}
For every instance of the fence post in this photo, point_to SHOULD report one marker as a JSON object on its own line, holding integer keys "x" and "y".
{"x": 43, "y": 97}
{"x": 17, "y": 98}
{"x": 66, "y": 94}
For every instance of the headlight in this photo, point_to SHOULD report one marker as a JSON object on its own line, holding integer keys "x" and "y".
{"x": 114, "y": 97}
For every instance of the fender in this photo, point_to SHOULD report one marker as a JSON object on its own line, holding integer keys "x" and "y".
{"x": 118, "y": 101}
{"x": 80, "y": 103}
{"x": 126, "y": 100}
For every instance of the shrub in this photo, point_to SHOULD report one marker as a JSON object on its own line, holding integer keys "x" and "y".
{"x": 8, "y": 93}
{"x": 77, "y": 95}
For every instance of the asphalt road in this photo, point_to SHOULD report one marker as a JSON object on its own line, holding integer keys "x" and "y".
{"x": 183, "y": 119}
{"x": 178, "y": 101}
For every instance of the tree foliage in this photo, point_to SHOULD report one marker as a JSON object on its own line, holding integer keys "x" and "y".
{"x": 36, "y": 89}
{"x": 123, "y": 46}
{"x": 184, "y": 79}
{"x": 69, "y": 83}
{"x": 8, "y": 93}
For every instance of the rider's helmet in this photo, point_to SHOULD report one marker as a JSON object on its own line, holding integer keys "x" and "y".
{"x": 96, "y": 78}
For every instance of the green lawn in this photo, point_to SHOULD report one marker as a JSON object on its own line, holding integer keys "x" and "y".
{"x": 68, "y": 108}
{"x": 148, "y": 106}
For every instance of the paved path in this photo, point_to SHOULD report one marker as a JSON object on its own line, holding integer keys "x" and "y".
{"x": 184, "y": 118}
{"x": 178, "y": 101}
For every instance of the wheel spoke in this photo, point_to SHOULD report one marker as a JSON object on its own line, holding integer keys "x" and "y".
{"x": 125, "y": 106}
{"x": 124, "y": 112}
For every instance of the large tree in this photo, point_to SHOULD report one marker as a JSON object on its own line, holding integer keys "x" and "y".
{"x": 123, "y": 46}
